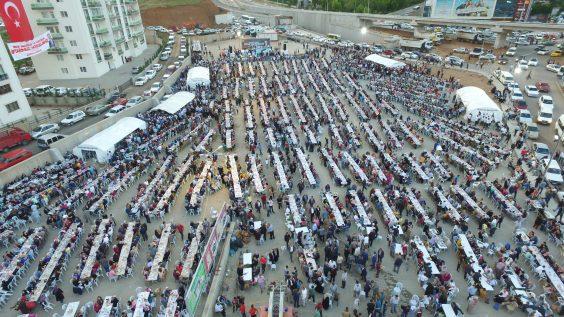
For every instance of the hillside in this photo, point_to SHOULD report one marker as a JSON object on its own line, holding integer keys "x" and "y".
{"x": 178, "y": 13}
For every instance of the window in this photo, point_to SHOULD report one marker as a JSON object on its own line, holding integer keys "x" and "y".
{"x": 73, "y": 43}
{"x": 68, "y": 28}
{"x": 64, "y": 14}
{"x": 4, "y": 89}
{"x": 65, "y": 70}
{"x": 78, "y": 56}
{"x": 3, "y": 75}
{"x": 82, "y": 69}
{"x": 60, "y": 58}
{"x": 12, "y": 106}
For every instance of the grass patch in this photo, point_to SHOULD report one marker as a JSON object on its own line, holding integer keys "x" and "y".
{"x": 151, "y": 4}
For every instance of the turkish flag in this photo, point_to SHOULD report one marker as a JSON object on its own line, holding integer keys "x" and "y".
{"x": 15, "y": 20}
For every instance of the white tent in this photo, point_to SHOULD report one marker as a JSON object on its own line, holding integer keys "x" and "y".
{"x": 198, "y": 76}
{"x": 479, "y": 106}
{"x": 102, "y": 145}
{"x": 384, "y": 61}
{"x": 175, "y": 102}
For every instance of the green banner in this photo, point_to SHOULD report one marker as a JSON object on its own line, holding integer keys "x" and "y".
{"x": 197, "y": 287}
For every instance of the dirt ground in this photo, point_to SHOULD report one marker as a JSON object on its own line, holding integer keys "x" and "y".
{"x": 183, "y": 15}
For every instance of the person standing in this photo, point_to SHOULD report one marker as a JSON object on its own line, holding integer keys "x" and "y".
{"x": 143, "y": 231}
{"x": 243, "y": 310}
{"x": 344, "y": 276}
{"x": 397, "y": 264}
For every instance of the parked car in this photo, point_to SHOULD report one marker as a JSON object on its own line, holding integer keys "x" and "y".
{"x": 476, "y": 52}
{"x": 532, "y": 130}
{"x": 546, "y": 101}
{"x": 140, "y": 81}
{"x": 46, "y": 140}
{"x": 13, "y": 137}
{"x": 543, "y": 51}
{"x": 73, "y": 117}
{"x": 119, "y": 101}
{"x": 556, "y": 53}
{"x": 155, "y": 87}
{"x": 115, "y": 110}
{"x": 157, "y": 67}
{"x": 553, "y": 173}
{"x": 150, "y": 74}
{"x": 97, "y": 109}
{"x": 533, "y": 62}
{"x": 541, "y": 151}
{"x": 44, "y": 129}
{"x": 488, "y": 57}
{"x": 133, "y": 101}
{"x": 531, "y": 91}
{"x": 542, "y": 86}
{"x": 14, "y": 157}
{"x": 136, "y": 70}
{"x": 511, "y": 51}
{"x": 553, "y": 68}
{"x": 454, "y": 60}
{"x": 115, "y": 96}
{"x": 502, "y": 60}
{"x": 28, "y": 92}
{"x": 520, "y": 104}
{"x": 61, "y": 91}
{"x": 44, "y": 90}
{"x": 26, "y": 70}
{"x": 525, "y": 117}
{"x": 516, "y": 94}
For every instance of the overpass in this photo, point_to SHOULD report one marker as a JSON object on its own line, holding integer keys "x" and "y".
{"x": 348, "y": 25}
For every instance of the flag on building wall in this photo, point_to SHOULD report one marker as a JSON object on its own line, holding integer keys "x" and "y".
{"x": 16, "y": 21}
{"x": 21, "y": 50}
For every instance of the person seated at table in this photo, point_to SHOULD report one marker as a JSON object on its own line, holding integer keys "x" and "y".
{"x": 98, "y": 304}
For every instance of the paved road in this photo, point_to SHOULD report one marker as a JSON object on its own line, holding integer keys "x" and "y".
{"x": 131, "y": 91}
{"x": 412, "y": 10}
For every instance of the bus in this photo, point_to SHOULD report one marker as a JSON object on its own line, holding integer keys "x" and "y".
{"x": 334, "y": 37}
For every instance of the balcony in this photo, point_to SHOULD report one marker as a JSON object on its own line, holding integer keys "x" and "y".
{"x": 128, "y": 1}
{"x": 105, "y": 44}
{"x": 134, "y": 23}
{"x": 47, "y": 21}
{"x": 108, "y": 56}
{"x": 91, "y": 3}
{"x": 41, "y": 6}
{"x": 138, "y": 33}
{"x": 120, "y": 40}
{"x": 57, "y": 50}
{"x": 97, "y": 17}
{"x": 56, "y": 36}
{"x": 102, "y": 31}
{"x": 132, "y": 11}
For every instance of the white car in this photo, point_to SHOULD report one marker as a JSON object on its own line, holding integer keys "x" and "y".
{"x": 73, "y": 117}
{"x": 454, "y": 60}
{"x": 61, "y": 91}
{"x": 533, "y": 62}
{"x": 461, "y": 50}
{"x": 44, "y": 129}
{"x": 155, "y": 87}
{"x": 157, "y": 67}
{"x": 150, "y": 74}
{"x": 28, "y": 92}
{"x": 489, "y": 57}
{"x": 531, "y": 91}
{"x": 511, "y": 85}
{"x": 115, "y": 110}
{"x": 553, "y": 173}
{"x": 516, "y": 94}
{"x": 525, "y": 117}
{"x": 511, "y": 51}
{"x": 543, "y": 51}
{"x": 545, "y": 101}
{"x": 523, "y": 64}
{"x": 408, "y": 55}
{"x": 541, "y": 151}
{"x": 140, "y": 81}
{"x": 133, "y": 101}
{"x": 553, "y": 68}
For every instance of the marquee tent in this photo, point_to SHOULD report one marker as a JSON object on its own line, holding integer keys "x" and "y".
{"x": 384, "y": 61}
{"x": 198, "y": 76}
{"x": 102, "y": 145}
{"x": 175, "y": 102}
{"x": 479, "y": 106}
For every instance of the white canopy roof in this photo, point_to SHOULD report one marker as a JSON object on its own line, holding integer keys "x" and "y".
{"x": 384, "y": 61}
{"x": 198, "y": 76}
{"x": 478, "y": 103}
{"x": 175, "y": 102}
{"x": 103, "y": 143}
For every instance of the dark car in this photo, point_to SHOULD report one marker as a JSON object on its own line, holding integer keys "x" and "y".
{"x": 520, "y": 104}
{"x": 502, "y": 60}
{"x": 542, "y": 87}
{"x": 114, "y": 96}
{"x": 388, "y": 52}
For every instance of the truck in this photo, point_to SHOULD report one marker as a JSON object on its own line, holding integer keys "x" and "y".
{"x": 13, "y": 137}
{"x": 471, "y": 37}
{"x": 421, "y": 45}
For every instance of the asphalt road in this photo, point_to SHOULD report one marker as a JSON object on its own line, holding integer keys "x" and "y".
{"x": 131, "y": 91}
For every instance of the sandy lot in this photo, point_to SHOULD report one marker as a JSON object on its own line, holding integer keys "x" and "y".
{"x": 182, "y": 15}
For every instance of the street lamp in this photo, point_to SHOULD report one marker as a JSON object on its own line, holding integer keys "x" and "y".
{"x": 363, "y": 30}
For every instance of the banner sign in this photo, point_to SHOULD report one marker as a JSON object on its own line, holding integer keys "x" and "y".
{"x": 21, "y": 50}
{"x": 15, "y": 20}
{"x": 213, "y": 242}
{"x": 197, "y": 287}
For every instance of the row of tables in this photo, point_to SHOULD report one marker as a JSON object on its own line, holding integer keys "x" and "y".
{"x": 235, "y": 177}
{"x": 200, "y": 183}
{"x": 125, "y": 249}
{"x": 101, "y": 231}
{"x": 334, "y": 167}
{"x": 161, "y": 249}
{"x": 306, "y": 166}
{"x": 334, "y": 209}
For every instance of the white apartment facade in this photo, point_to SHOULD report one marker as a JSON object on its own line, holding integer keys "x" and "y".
{"x": 91, "y": 37}
{"x": 13, "y": 103}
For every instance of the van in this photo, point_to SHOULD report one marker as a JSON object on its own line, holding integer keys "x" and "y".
{"x": 532, "y": 130}
{"x": 504, "y": 77}
{"x": 545, "y": 115}
{"x": 14, "y": 157}
{"x": 44, "y": 90}
{"x": 46, "y": 140}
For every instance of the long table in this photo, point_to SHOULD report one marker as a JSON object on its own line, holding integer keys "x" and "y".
{"x": 477, "y": 209}
{"x": 372, "y": 137}
{"x": 200, "y": 183}
{"x": 280, "y": 170}
{"x": 107, "y": 306}
{"x": 235, "y": 177}
{"x": 509, "y": 206}
{"x": 355, "y": 167}
{"x": 445, "y": 203}
{"x": 188, "y": 259}
{"x": 549, "y": 271}
{"x": 71, "y": 310}
{"x": 306, "y": 167}
{"x": 125, "y": 249}
{"x": 365, "y": 220}
{"x": 336, "y": 170}
{"x": 426, "y": 257}
{"x": 376, "y": 167}
{"x": 417, "y": 206}
{"x": 171, "y": 304}
{"x": 142, "y": 299}
{"x": 334, "y": 209}
{"x": 161, "y": 249}
{"x": 256, "y": 176}
{"x": 467, "y": 248}
{"x": 89, "y": 263}
{"x": 26, "y": 247}
{"x": 415, "y": 165}
{"x": 298, "y": 109}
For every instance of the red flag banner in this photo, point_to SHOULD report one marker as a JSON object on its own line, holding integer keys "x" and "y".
{"x": 15, "y": 19}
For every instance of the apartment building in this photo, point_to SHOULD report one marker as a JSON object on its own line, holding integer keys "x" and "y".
{"x": 90, "y": 37}
{"x": 13, "y": 103}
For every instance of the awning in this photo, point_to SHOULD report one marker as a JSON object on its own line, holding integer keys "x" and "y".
{"x": 175, "y": 102}
{"x": 478, "y": 103}
{"x": 198, "y": 76}
{"x": 384, "y": 61}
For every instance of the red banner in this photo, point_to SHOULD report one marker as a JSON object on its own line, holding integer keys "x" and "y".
{"x": 15, "y": 19}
